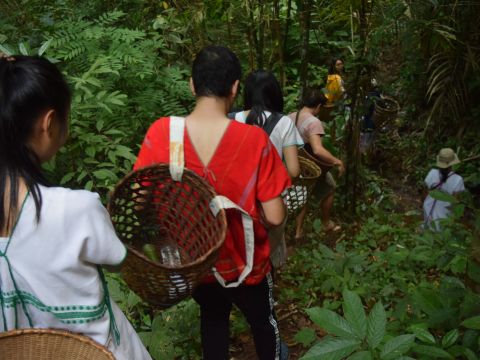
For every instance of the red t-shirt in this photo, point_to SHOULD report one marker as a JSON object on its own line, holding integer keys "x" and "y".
{"x": 245, "y": 168}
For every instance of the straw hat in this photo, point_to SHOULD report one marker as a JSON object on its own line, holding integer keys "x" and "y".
{"x": 446, "y": 158}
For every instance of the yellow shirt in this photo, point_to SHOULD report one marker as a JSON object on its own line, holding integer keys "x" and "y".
{"x": 334, "y": 88}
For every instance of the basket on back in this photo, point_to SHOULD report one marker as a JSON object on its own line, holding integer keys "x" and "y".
{"x": 298, "y": 194}
{"x": 173, "y": 220}
{"x": 49, "y": 344}
{"x": 386, "y": 109}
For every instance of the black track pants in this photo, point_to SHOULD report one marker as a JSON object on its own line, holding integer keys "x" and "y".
{"x": 254, "y": 301}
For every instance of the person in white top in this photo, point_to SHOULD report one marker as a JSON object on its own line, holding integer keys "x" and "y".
{"x": 53, "y": 241}
{"x": 263, "y": 106}
{"x": 443, "y": 179}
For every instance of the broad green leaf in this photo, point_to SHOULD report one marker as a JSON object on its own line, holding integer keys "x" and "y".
{"x": 6, "y": 50}
{"x": 67, "y": 178}
{"x": 44, "y": 47}
{"x": 103, "y": 174}
{"x": 331, "y": 349}
{"x": 423, "y": 335}
{"x": 470, "y": 355}
{"x": 125, "y": 152}
{"x": 23, "y": 49}
{"x": 361, "y": 355}
{"x": 442, "y": 196}
{"x": 472, "y": 323}
{"x": 450, "y": 338}
{"x": 305, "y": 336}
{"x": 376, "y": 323}
{"x": 355, "y": 313}
{"x": 432, "y": 351}
{"x": 397, "y": 346}
{"x": 331, "y": 322}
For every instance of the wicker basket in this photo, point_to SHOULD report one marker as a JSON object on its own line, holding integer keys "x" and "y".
{"x": 298, "y": 194}
{"x": 174, "y": 218}
{"x": 386, "y": 109}
{"x": 49, "y": 344}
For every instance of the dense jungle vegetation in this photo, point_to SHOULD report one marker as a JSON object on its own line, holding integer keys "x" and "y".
{"x": 381, "y": 288}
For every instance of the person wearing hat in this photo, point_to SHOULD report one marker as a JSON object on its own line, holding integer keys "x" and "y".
{"x": 444, "y": 179}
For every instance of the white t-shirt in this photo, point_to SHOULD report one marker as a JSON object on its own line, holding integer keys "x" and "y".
{"x": 433, "y": 210}
{"x": 284, "y": 133}
{"x": 52, "y": 266}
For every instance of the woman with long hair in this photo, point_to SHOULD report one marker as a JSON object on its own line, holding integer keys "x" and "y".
{"x": 53, "y": 240}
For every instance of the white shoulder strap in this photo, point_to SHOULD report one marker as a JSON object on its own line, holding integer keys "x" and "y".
{"x": 222, "y": 202}
{"x": 177, "y": 160}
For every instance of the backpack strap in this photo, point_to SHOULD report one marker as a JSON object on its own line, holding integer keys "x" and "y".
{"x": 177, "y": 159}
{"x": 177, "y": 164}
{"x": 222, "y": 202}
{"x": 271, "y": 122}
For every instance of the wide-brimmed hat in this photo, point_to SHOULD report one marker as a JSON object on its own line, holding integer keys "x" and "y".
{"x": 446, "y": 158}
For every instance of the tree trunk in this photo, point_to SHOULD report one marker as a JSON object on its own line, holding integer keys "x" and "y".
{"x": 304, "y": 12}
{"x": 353, "y": 126}
{"x": 277, "y": 35}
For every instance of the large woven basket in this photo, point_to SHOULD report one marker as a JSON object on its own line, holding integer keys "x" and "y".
{"x": 175, "y": 220}
{"x": 298, "y": 194}
{"x": 386, "y": 109}
{"x": 49, "y": 344}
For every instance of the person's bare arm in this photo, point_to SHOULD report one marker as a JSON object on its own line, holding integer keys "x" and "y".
{"x": 290, "y": 154}
{"x": 323, "y": 154}
{"x": 274, "y": 211}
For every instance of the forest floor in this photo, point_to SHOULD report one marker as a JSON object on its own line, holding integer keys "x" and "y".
{"x": 291, "y": 318}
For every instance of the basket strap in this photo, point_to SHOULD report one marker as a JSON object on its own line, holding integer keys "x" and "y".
{"x": 222, "y": 202}
{"x": 177, "y": 159}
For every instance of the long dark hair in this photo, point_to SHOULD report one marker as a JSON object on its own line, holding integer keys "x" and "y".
{"x": 262, "y": 93}
{"x": 29, "y": 86}
{"x": 333, "y": 69}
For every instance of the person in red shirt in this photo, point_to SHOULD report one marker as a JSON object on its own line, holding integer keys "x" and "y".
{"x": 241, "y": 163}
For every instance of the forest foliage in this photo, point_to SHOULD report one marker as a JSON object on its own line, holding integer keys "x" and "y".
{"x": 389, "y": 291}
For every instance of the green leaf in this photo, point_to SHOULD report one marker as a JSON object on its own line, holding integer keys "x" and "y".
{"x": 44, "y": 47}
{"x": 376, "y": 324}
{"x": 397, "y": 346}
{"x": 331, "y": 349}
{"x": 423, "y": 335}
{"x": 450, "y": 338}
{"x": 432, "y": 351}
{"x": 67, "y": 178}
{"x": 361, "y": 355}
{"x": 469, "y": 354}
{"x": 103, "y": 174}
{"x": 355, "y": 313}
{"x": 6, "y": 50}
{"x": 305, "y": 336}
{"x": 331, "y": 322}
{"x": 472, "y": 323}
{"x": 442, "y": 196}
{"x": 23, "y": 49}
{"x": 125, "y": 152}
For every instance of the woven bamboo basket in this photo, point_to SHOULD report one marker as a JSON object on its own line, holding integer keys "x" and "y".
{"x": 298, "y": 194}
{"x": 386, "y": 109}
{"x": 49, "y": 344}
{"x": 174, "y": 219}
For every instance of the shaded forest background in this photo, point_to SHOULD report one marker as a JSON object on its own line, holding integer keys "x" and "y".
{"x": 129, "y": 63}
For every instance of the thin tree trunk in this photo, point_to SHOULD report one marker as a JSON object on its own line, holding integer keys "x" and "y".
{"x": 287, "y": 26}
{"x": 261, "y": 36}
{"x": 304, "y": 12}
{"x": 277, "y": 32}
{"x": 353, "y": 125}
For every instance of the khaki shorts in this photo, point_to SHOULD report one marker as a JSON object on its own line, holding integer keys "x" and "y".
{"x": 325, "y": 186}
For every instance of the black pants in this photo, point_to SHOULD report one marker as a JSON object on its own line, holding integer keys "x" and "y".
{"x": 254, "y": 301}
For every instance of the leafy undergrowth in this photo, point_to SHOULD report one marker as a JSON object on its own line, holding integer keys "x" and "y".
{"x": 380, "y": 289}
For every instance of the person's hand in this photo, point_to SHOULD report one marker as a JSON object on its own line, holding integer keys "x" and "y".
{"x": 341, "y": 167}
